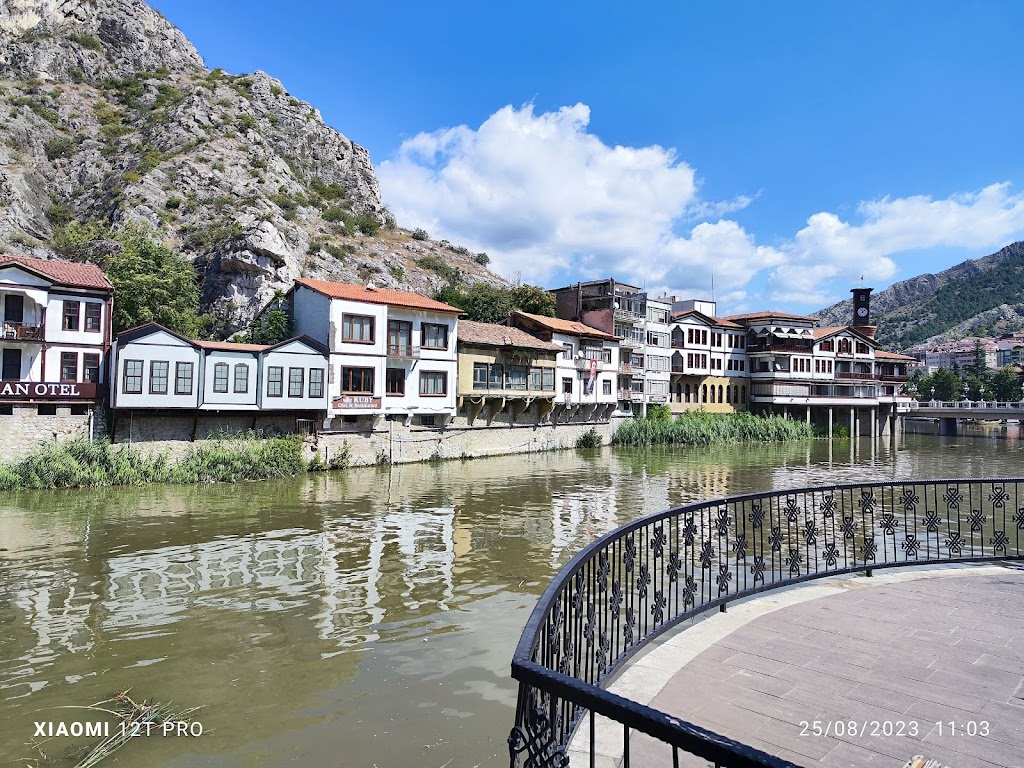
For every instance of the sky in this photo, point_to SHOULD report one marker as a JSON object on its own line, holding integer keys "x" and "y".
{"x": 768, "y": 155}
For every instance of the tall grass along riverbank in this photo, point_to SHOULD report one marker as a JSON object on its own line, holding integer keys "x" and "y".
{"x": 700, "y": 428}
{"x": 84, "y": 464}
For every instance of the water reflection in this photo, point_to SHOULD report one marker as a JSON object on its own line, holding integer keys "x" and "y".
{"x": 370, "y": 613}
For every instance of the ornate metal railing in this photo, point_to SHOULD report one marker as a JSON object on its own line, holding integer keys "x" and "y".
{"x": 631, "y": 585}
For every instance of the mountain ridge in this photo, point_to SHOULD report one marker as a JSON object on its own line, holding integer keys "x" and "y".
{"x": 109, "y": 117}
{"x": 982, "y": 296}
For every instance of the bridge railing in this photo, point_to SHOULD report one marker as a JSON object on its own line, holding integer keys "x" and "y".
{"x": 638, "y": 581}
{"x": 966, "y": 405}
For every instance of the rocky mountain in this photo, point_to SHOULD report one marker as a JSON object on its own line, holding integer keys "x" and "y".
{"x": 109, "y": 118}
{"x": 975, "y": 298}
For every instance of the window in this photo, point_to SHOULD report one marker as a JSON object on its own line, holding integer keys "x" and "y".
{"x": 689, "y": 335}
{"x": 399, "y": 337}
{"x": 566, "y": 385}
{"x": 241, "y": 378}
{"x": 183, "y": 378}
{"x": 704, "y": 393}
{"x": 844, "y": 346}
{"x": 90, "y": 367}
{"x": 606, "y": 355}
{"x": 220, "y": 377}
{"x": 394, "y": 381}
{"x": 357, "y": 329}
{"x": 712, "y": 393}
{"x": 827, "y": 346}
{"x": 549, "y": 380}
{"x": 316, "y": 382}
{"x": 132, "y": 377}
{"x": 434, "y": 383}
{"x": 567, "y": 351}
{"x": 479, "y": 375}
{"x": 434, "y": 336}
{"x": 92, "y": 317}
{"x": 728, "y": 394}
{"x": 536, "y": 378}
{"x": 357, "y": 380}
{"x": 79, "y": 410}
{"x": 275, "y": 380}
{"x": 719, "y": 393}
{"x": 427, "y": 420}
{"x": 69, "y": 366}
{"x": 46, "y": 410}
{"x": 158, "y": 377}
{"x": 687, "y": 390}
{"x": 862, "y": 348}
{"x": 497, "y": 377}
{"x": 71, "y": 310}
{"x": 296, "y": 381}
{"x": 515, "y": 377}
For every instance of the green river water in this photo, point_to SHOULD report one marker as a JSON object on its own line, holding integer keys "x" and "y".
{"x": 359, "y": 618}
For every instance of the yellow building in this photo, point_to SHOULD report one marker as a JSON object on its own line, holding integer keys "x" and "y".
{"x": 503, "y": 371}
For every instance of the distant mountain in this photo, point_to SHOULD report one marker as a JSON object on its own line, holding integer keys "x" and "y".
{"x": 979, "y": 297}
{"x": 109, "y": 117}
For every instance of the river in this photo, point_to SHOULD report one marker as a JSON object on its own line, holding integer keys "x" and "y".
{"x": 359, "y": 618}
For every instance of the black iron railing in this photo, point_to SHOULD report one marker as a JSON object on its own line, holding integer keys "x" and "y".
{"x": 631, "y": 585}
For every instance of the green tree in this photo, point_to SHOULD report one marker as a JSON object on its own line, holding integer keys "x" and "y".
{"x": 921, "y": 386}
{"x": 492, "y": 304}
{"x": 946, "y": 385}
{"x": 272, "y": 324}
{"x": 1005, "y": 385}
{"x": 975, "y": 388}
{"x": 152, "y": 284}
{"x": 979, "y": 367}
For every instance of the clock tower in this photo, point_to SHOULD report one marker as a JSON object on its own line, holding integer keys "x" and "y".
{"x": 861, "y": 307}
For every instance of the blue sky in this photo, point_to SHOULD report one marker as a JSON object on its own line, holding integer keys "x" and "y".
{"x": 787, "y": 147}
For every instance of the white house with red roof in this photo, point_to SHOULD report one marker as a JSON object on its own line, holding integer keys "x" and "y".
{"x": 392, "y": 354}
{"x": 54, "y": 335}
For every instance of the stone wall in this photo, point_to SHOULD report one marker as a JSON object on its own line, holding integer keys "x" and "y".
{"x": 392, "y": 441}
{"x": 24, "y": 428}
{"x": 173, "y": 432}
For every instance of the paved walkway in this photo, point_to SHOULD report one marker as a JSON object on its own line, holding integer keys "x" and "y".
{"x": 916, "y": 648}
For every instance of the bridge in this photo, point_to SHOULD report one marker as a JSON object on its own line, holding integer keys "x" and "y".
{"x": 629, "y": 587}
{"x": 949, "y": 411}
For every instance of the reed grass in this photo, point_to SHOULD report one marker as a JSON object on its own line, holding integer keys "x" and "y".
{"x": 701, "y": 428}
{"x": 83, "y": 464}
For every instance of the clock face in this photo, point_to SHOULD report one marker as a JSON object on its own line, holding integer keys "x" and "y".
{"x": 862, "y": 312}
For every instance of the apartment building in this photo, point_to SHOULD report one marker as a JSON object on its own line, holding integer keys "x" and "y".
{"x": 505, "y": 374}
{"x": 54, "y": 337}
{"x": 642, "y": 325}
{"x": 156, "y": 370}
{"x": 586, "y": 371}
{"x": 392, "y": 354}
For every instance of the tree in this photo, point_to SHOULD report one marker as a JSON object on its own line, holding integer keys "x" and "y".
{"x": 946, "y": 385}
{"x": 1006, "y": 385}
{"x": 492, "y": 304}
{"x": 975, "y": 388}
{"x": 271, "y": 325}
{"x": 921, "y": 386}
{"x": 979, "y": 367}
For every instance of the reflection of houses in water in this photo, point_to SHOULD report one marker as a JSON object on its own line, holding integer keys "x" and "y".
{"x": 356, "y": 573}
{"x": 578, "y": 517}
{"x": 56, "y": 605}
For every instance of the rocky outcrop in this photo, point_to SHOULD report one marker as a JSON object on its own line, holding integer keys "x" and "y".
{"x": 108, "y": 116}
{"x": 904, "y": 307}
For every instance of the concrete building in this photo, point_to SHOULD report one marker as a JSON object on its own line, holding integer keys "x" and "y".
{"x": 587, "y": 369}
{"x": 504, "y": 370}
{"x": 53, "y": 343}
{"x": 642, "y": 325}
{"x": 393, "y": 354}
{"x": 155, "y": 370}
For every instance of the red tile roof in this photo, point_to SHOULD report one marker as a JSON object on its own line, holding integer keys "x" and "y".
{"x": 492, "y": 335}
{"x": 558, "y": 325}
{"x": 713, "y": 320}
{"x": 767, "y": 315}
{"x": 881, "y": 354}
{"x": 375, "y": 295}
{"x": 68, "y": 273}
{"x": 820, "y": 333}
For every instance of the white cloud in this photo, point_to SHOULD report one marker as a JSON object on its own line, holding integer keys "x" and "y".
{"x": 551, "y": 201}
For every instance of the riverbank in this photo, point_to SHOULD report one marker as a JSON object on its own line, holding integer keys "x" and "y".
{"x": 81, "y": 463}
{"x": 700, "y": 428}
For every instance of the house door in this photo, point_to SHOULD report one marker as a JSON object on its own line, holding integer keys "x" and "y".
{"x": 11, "y": 370}
{"x": 399, "y": 337}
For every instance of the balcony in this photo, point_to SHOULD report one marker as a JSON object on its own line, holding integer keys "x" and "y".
{"x": 626, "y": 316}
{"x": 31, "y": 332}
{"x": 898, "y": 378}
{"x": 625, "y": 368}
{"x": 406, "y": 351}
{"x": 849, "y": 376}
{"x": 785, "y": 349}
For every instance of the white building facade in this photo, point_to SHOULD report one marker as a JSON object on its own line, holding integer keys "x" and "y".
{"x": 54, "y": 336}
{"x": 392, "y": 354}
{"x": 155, "y": 369}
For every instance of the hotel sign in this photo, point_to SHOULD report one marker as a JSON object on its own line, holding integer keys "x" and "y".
{"x": 350, "y": 402}
{"x": 47, "y": 390}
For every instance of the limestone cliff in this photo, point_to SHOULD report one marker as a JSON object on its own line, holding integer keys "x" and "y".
{"x": 108, "y": 115}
